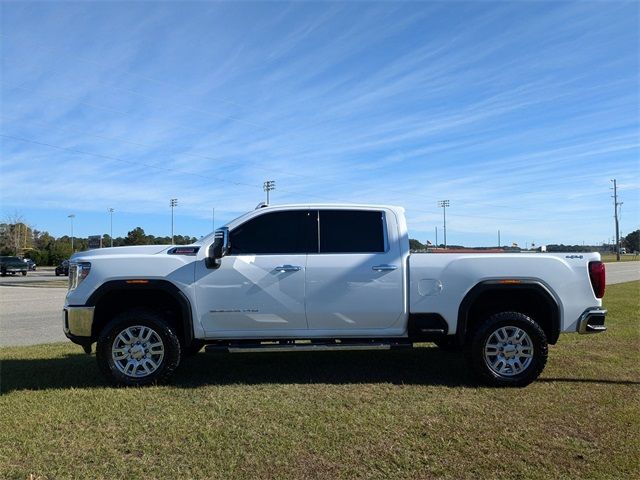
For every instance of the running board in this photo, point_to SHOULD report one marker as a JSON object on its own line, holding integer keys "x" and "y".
{"x": 305, "y": 347}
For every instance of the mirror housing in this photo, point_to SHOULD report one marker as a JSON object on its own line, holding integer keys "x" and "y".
{"x": 218, "y": 249}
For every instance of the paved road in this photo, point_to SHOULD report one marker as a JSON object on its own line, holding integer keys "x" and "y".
{"x": 45, "y": 274}
{"x": 32, "y": 315}
{"x": 622, "y": 272}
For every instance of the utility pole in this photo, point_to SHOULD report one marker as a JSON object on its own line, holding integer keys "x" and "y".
{"x": 72, "y": 216}
{"x": 436, "y": 237}
{"x": 616, "y": 204}
{"x": 268, "y": 186}
{"x": 111, "y": 210}
{"x": 498, "y": 238}
{"x": 444, "y": 204}
{"x": 173, "y": 203}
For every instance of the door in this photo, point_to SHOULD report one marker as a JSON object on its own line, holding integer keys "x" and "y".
{"x": 259, "y": 286}
{"x": 355, "y": 281}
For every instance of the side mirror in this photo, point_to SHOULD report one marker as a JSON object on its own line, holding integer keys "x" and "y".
{"x": 218, "y": 249}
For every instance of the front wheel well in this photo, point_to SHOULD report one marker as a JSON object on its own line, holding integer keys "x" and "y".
{"x": 118, "y": 300}
{"x": 532, "y": 300}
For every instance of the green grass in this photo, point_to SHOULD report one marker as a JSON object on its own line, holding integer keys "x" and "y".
{"x": 611, "y": 257}
{"x": 401, "y": 414}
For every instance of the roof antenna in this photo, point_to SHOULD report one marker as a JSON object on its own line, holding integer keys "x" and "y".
{"x": 261, "y": 205}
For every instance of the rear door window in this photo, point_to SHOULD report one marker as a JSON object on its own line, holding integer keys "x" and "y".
{"x": 351, "y": 231}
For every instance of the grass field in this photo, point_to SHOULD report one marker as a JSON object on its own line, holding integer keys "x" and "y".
{"x": 401, "y": 414}
{"x": 611, "y": 257}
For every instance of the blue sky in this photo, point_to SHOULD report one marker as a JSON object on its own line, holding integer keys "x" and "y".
{"x": 519, "y": 113}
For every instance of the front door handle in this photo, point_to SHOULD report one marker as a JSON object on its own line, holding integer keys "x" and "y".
{"x": 288, "y": 268}
{"x": 384, "y": 268}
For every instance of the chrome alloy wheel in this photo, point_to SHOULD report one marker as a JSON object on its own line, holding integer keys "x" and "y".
{"x": 508, "y": 351}
{"x": 137, "y": 351}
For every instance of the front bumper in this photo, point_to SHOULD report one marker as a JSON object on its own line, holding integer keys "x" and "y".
{"x": 592, "y": 321}
{"x": 78, "y": 323}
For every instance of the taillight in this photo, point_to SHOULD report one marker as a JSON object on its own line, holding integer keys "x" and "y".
{"x": 598, "y": 278}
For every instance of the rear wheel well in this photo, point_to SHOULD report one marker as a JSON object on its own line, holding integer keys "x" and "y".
{"x": 531, "y": 300}
{"x": 117, "y": 301}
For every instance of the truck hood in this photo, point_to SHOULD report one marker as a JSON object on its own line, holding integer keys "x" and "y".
{"x": 120, "y": 251}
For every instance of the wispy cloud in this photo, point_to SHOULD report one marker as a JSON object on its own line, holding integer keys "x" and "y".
{"x": 518, "y": 113}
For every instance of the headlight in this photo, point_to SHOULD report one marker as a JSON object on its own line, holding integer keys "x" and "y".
{"x": 78, "y": 271}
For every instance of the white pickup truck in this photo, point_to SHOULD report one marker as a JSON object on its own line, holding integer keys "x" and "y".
{"x": 325, "y": 277}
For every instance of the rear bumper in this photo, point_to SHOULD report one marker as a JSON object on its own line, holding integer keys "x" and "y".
{"x": 592, "y": 321}
{"x": 78, "y": 324}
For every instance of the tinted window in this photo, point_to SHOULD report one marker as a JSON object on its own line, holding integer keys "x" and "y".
{"x": 351, "y": 231}
{"x": 277, "y": 232}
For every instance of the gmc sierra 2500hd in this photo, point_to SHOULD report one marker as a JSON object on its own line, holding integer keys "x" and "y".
{"x": 325, "y": 277}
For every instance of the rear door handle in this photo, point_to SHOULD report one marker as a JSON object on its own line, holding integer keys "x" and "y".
{"x": 288, "y": 268}
{"x": 384, "y": 268}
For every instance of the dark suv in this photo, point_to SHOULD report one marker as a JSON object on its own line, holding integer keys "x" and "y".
{"x": 63, "y": 268}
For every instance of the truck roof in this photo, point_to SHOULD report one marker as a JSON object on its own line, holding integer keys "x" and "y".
{"x": 335, "y": 205}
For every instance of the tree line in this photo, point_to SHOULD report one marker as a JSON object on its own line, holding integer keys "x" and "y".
{"x": 20, "y": 239}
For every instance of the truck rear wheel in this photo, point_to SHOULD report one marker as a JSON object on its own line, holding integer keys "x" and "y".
{"x": 508, "y": 350}
{"x": 138, "y": 348}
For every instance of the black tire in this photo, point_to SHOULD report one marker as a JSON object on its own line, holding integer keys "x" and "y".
{"x": 448, "y": 343}
{"x": 24, "y": 274}
{"x": 3, "y": 272}
{"x": 511, "y": 377}
{"x": 192, "y": 349}
{"x": 57, "y": 273}
{"x": 165, "y": 365}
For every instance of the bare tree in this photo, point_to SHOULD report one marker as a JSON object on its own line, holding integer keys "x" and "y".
{"x": 15, "y": 234}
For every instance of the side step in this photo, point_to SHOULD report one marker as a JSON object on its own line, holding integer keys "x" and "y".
{"x": 292, "y": 346}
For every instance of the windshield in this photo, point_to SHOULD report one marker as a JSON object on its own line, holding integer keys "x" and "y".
{"x": 210, "y": 237}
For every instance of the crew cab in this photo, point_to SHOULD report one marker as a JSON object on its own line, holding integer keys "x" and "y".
{"x": 325, "y": 277}
{"x": 12, "y": 265}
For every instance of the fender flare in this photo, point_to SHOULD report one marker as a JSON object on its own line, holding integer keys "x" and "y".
{"x": 164, "y": 286}
{"x": 496, "y": 285}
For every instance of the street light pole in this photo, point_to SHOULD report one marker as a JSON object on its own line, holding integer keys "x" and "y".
{"x": 111, "y": 210}
{"x": 616, "y": 204}
{"x": 268, "y": 186}
{"x": 444, "y": 204}
{"x": 173, "y": 203}
{"x": 72, "y": 216}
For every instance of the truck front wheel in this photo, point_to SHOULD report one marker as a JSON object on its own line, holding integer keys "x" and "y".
{"x": 138, "y": 348}
{"x": 508, "y": 350}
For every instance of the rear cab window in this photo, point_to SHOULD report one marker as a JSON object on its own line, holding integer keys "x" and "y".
{"x": 352, "y": 231}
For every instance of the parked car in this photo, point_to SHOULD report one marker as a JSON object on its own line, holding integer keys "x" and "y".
{"x": 63, "y": 268}
{"x": 12, "y": 265}
{"x": 326, "y": 277}
{"x": 31, "y": 265}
